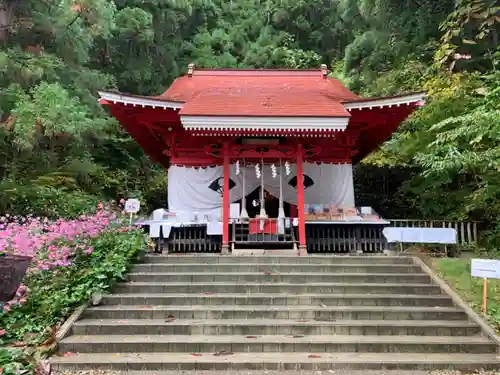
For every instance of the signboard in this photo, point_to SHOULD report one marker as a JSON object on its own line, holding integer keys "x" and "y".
{"x": 132, "y": 206}
{"x": 485, "y": 268}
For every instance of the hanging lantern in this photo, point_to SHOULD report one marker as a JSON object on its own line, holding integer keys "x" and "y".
{"x": 274, "y": 172}
{"x": 287, "y": 168}
{"x": 237, "y": 167}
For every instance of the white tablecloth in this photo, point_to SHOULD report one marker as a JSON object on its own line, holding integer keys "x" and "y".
{"x": 421, "y": 235}
{"x": 213, "y": 228}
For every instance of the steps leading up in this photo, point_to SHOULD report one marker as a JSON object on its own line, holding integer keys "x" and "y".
{"x": 276, "y": 313}
{"x": 275, "y": 361}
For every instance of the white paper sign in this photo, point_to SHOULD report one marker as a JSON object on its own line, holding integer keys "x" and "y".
{"x": 485, "y": 268}
{"x": 132, "y": 206}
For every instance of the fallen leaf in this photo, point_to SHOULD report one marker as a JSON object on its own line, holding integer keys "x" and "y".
{"x": 209, "y": 293}
{"x": 170, "y": 318}
{"x": 222, "y": 353}
{"x": 297, "y": 336}
{"x": 251, "y": 337}
{"x": 196, "y": 354}
{"x": 123, "y": 321}
{"x": 314, "y": 356}
{"x": 144, "y": 307}
{"x": 1, "y": 371}
{"x": 18, "y": 344}
{"x": 68, "y": 354}
{"x": 44, "y": 367}
{"x": 302, "y": 320}
{"x": 52, "y": 336}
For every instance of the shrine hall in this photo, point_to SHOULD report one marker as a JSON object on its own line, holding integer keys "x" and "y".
{"x": 261, "y": 158}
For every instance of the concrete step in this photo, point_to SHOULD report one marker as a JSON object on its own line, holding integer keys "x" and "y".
{"x": 275, "y": 343}
{"x": 310, "y": 259}
{"x": 289, "y": 372}
{"x": 267, "y": 252}
{"x": 275, "y": 327}
{"x": 292, "y": 288}
{"x": 267, "y": 277}
{"x": 276, "y": 267}
{"x": 260, "y": 299}
{"x": 276, "y": 312}
{"x": 275, "y": 361}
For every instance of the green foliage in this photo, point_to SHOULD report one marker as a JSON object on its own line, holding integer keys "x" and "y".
{"x": 45, "y": 200}
{"x": 471, "y": 28}
{"x": 56, "y": 293}
{"x": 15, "y": 361}
{"x": 57, "y": 141}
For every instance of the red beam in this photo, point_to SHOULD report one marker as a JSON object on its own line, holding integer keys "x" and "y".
{"x": 225, "y": 202}
{"x": 300, "y": 203}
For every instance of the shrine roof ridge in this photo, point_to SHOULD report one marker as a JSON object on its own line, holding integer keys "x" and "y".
{"x": 255, "y": 72}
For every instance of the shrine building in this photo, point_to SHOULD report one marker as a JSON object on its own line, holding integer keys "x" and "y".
{"x": 262, "y": 158}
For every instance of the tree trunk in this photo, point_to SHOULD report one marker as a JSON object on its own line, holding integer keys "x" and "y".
{"x": 7, "y": 12}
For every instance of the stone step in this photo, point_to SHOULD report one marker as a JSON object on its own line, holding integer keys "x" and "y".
{"x": 266, "y": 277}
{"x": 275, "y": 361}
{"x": 289, "y": 372}
{"x": 310, "y": 259}
{"x": 292, "y": 288}
{"x": 274, "y": 343}
{"x": 275, "y": 327}
{"x": 281, "y": 268}
{"x": 276, "y": 312}
{"x": 259, "y": 299}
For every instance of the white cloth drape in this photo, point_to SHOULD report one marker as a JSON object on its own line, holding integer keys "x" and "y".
{"x": 189, "y": 188}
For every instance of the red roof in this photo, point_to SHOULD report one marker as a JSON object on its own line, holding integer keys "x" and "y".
{"x": 285, "y": 93}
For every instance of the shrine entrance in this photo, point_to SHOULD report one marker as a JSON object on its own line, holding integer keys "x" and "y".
{"x": 279, "y": 142}
{"x": 272, "y": 204}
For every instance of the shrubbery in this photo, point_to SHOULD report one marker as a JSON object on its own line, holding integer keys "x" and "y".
{"x": 72, "y": 259}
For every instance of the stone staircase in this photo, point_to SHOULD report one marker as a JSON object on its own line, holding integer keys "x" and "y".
{"x": 276, "y": 313}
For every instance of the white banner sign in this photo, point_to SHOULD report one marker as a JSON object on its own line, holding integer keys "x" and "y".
{"x": 132, "y": 206}
{"x": 485, "y": 268}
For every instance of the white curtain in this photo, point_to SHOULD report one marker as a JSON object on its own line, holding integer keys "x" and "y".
{"x": 195, "y": 189}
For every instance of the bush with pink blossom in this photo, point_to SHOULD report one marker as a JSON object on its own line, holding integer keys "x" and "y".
{"x": 71, "y": 259}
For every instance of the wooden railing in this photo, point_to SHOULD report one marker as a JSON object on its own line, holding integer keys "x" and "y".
{"x": 192, "y": 239}
{"x": 320, "y": 238}
{"x": 263, "y": 231}
{"x": 341, "y": 238}
{"x": 467, "y": 231}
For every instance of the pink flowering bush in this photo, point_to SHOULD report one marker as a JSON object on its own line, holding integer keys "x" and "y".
{"x": 71, "y": 259}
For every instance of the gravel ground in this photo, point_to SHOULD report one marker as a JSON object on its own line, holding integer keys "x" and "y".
{"x": 327, "y": 372}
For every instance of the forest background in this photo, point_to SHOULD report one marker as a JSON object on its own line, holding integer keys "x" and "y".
{"x": 60, "y": 152}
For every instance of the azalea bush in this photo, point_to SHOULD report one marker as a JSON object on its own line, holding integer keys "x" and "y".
{"x": 71, "y": 260}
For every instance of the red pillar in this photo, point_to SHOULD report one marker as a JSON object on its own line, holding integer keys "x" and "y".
{"x": 300, "y": 202}
{"x": 225, "y": 202}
